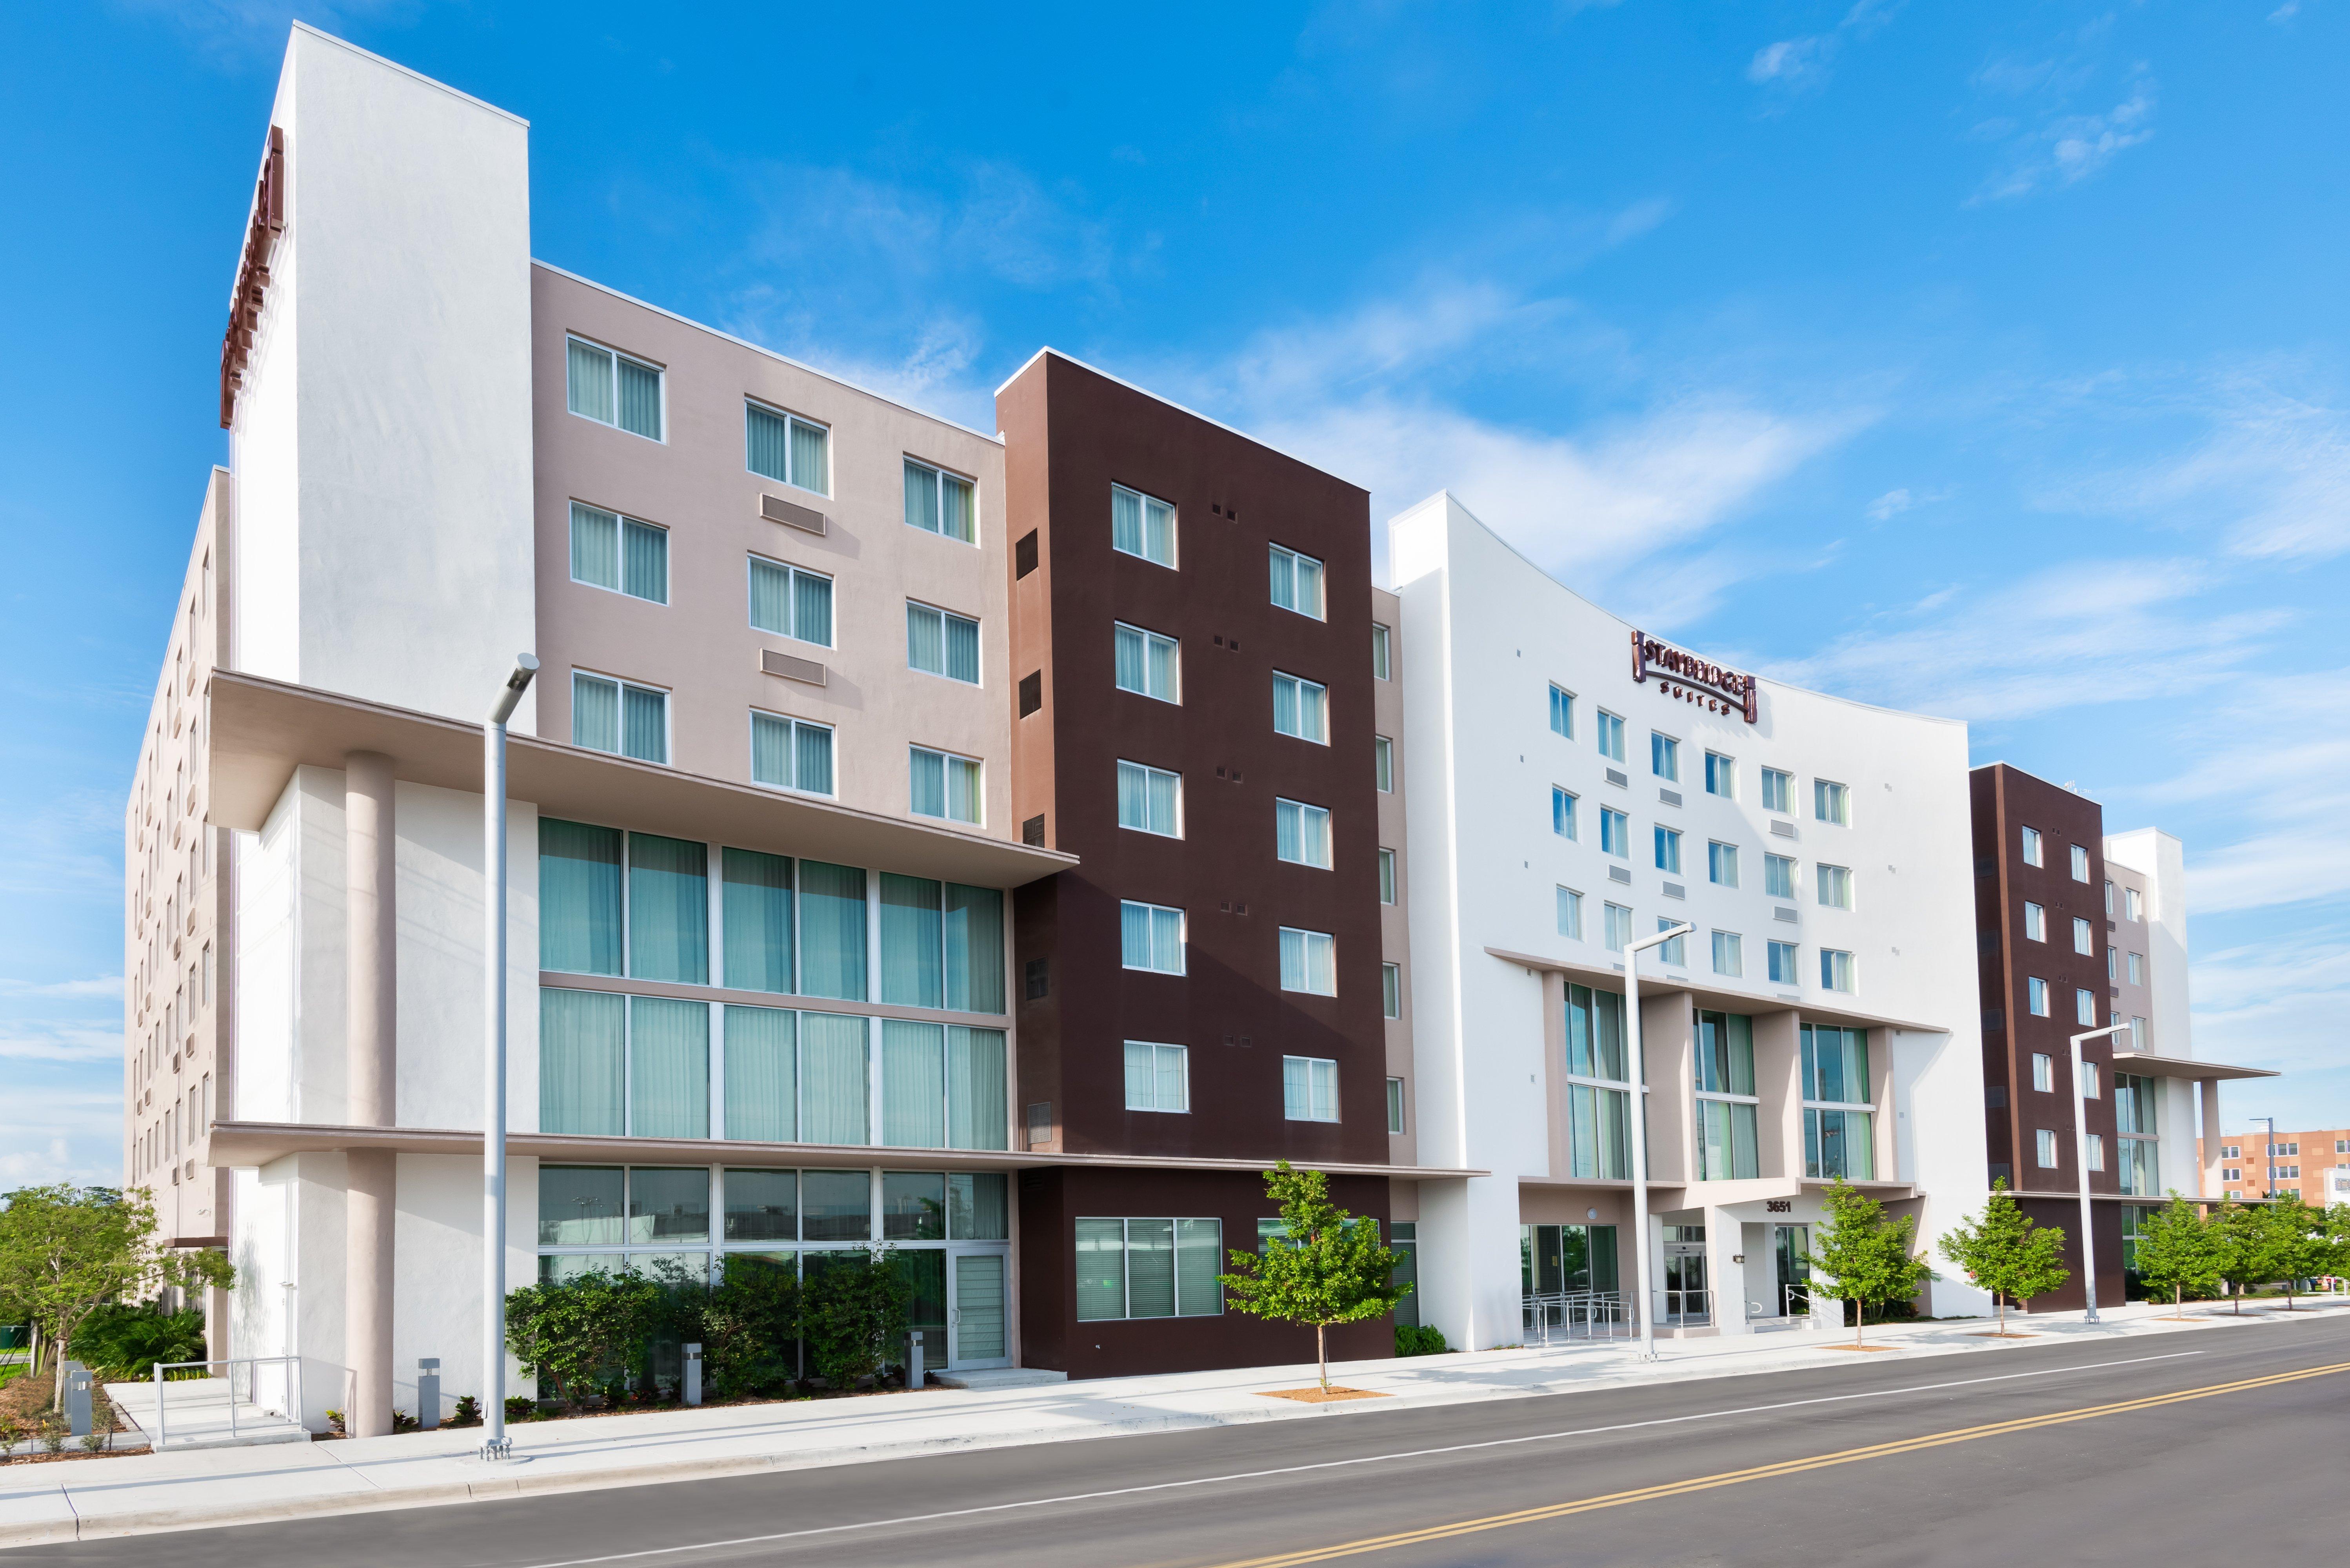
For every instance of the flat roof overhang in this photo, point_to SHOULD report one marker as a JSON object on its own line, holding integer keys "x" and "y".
{"x": 261, "y": 730}
{"x": 1713, "y": 997}
{"x": 258, "y": 1142}
{"x": 2147, "y": 1065}
{"x": 1665, "y": 1196}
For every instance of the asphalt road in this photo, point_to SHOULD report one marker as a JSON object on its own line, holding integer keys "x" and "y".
{"x": 2178, "y": 1448}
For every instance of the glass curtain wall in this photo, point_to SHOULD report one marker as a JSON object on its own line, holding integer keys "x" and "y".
{"x": 1839, "y": 1124}
{"x": 1553, "y": 1260}
{"x": 2134, "y": 1120}
{"x": 1726, "y": 1102}
{"x": 1599, "y": 1098}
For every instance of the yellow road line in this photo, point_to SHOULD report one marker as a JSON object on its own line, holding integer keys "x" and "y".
{"x": 1766, "y": 1472}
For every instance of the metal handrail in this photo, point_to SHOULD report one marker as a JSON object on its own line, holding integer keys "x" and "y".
{"x": 1603, "y": 1313}
{"x": 1787, "y": 1297}
{"x": 1694, "y": 1305}
{"x": 293, "y": 1388}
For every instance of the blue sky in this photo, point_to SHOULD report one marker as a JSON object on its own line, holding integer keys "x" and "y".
{"x": 1985, "y": 360}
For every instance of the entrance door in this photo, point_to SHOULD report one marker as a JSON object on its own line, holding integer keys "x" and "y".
{"x": 1789, "y": 1243}
{"x": 1686, "y": 1301}
{"x": 976, "y": 1310}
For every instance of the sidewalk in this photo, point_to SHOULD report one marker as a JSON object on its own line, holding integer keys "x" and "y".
{"x": 187, "y": 1489}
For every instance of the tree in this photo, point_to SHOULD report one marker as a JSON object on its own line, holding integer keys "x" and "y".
{"x": 2006, "y": 1253}
{"x": 2244, "y": 1247}
{"x": 854, "y": 1314}
{"x": 1326, "y": 1267}
{"x": 2177, "y": 1251}
{"x": 67, "y": 1250}
{"x": 2307, "y": 1240}
{"x": 1864, "y": 1256}
{"x": 577, "y": 1333}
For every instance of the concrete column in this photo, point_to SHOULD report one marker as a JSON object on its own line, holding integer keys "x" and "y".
{"x": 1725, "y": 1239}
{"x": 372, "y": 934}
{"x": 2208, "y": 1157}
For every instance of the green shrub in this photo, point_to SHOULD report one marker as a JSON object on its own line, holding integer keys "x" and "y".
{"x": 576, "y": 1334}
{"x": 121, "y": 1342}
{"x": 1420, "y": 1339}
{"x": 746, "y": 1327}
{"x": 853, "y": 1313}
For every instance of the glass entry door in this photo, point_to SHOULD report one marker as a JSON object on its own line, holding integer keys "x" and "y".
{"x": 976, "y": 1308}
{"x": 1789, "y": 1243}
{"x": 1686, "y": 1301}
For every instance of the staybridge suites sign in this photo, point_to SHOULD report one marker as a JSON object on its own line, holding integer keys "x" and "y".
{"x": 1692, "y": 679}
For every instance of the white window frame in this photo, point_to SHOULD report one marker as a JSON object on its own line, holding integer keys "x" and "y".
{"x": 1562, "y": 707}
{"x": 1779, "y": 791}
{"x": 1778, "y": 876}
{"x": 753, "y": 561}
{"x": 659, "y": 371}
{"x": 797, "y": 724}
{"x": 1302, "y": 808}
{"x": 1831, "y": 802}
{"x": 1143, "y": 500}
{"x": 2035, "y": 995}
{"x": 1838, "y": 965}
{"x": 1391, "y": 990}
{"x": 1720, "y": 775}
{"x": 1734, "y": 946}
{"x": 1721, "y": 857}
{"x": 1622, "y": 837}
{"x": 1282, "y": 556}
{"x": 2080, "y": 864}
{"x": 1831, "y": 885}
{"x": 1570, "y": 914}
{"x": 1151, "y": 773}
{"x": 2035, "y": 922}
{"x": 1562, "y": 812}
{"x": 2034, "y": 849}
{"x": 1382, "y": 653}
{"x": 2044, "y": 1072}
{"x": 2045, "y": 1148}
{"x": 1307, "y": 949}
{"x": 1321, "y": 1075}
{"x": 939, "y": 476}
{"x": 1792, "y": 972}
{"x": 1158, "y": 1050}
{"x": 1395, "y": 1106}
{"x": 1664, "y": 757}
{"x": 2136, "y": 966}
{"x": 1669, "y": 849}
{"x": 2084, "y": 941}
{"x": 2132, "y": 905}
{"x": 946, "y": 615}
{"x": 624, "y": 687}
{"x": 1183, "y": 937}
{"x": 946, "y": 764}
{"x": 1149, "y": 638}
{"x": 1615, "y": 927}
{"x": 1383, "y": 763}
{"x": 1609, "y": 727}
{"x": 2085, "y": 1008}
{"x": 791, "y": 449}
{"x": 622, "y": 523}
{"x": 1302, "y": 683}
{"x": 1386, "y": 875}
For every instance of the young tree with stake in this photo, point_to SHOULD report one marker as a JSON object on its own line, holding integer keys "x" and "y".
{"x": 2006, "y": 1253}
{"x": 1327, "y": 1268}
{"x": 2178, "y": 1251}
{"x": 1864, "y": 1256}
{"x": 2244, "y": 1247}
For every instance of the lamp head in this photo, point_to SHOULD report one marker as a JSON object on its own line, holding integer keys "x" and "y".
{"x": 525, "y": 665}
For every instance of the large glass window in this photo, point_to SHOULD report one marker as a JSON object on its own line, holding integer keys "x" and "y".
{"x": 1838, "y": 1126}
{"x": 1300, "y": 708}
{"x": 791, "y": 753}
{"x": 578, "y": 898}
{"x": 1567, "y": 1260}
{"x": 835, "y": 1083}
{"x": 582, "y": 1056}
{"x": 1309, "y": 1089}
{"x": 669, "y": 908}
{"x": 940, "y": 642}
{"x": 1158, "y": 1077}
{"x": 1141, "y": 526}
{"x": 1297, "y": 582}
{"x": 787, "y": 448}
{"x": 1309, "y": 962}
{"x": 1148, "y": 1268}
{"x": 762, "y": 1057}
{"x": 938, "y": 501}
{"x": 791, "y": 601}
{"x": 613, "y": 388}
{"x": 1150, "y": 937}
{"x": 1595, "y": 1035}
{"x": 757, "y": 907}
{"x": 668, "y": 1067}
{"x": 941, "y": 944}
{"x": 944, "y": 786}
{"x": 1726, "y": 1106}
{"x": 1149, "y": 800}
{"x": 1146, "y": 663}
{"x": 1301, "y": 833}
{"x": 610, "y": 550}
{"x": 619, "y": 716}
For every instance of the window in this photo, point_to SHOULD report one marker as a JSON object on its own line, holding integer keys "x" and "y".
{"x": 1146, "y": 663}
{"x": 2044, "y": 1072}
{"x": 1158, "y": 1077}
{"x": 1387, "y": 877}
{"x": 940, "y": 642}
{"x": 1726, "y": 1106}
{"x": 615, "y": 390}
{"x": 1611, "y": 736}
{"x": 945, "y": 785}
{"x": 938, "y": 501}
{"x": 2085, "y": 1008}
{"x": 791, "y": 753}
{"x": 2109, "y": 894}
{"x": 1562, "y": 812}
{"x": 1834, "y": 887}
{"x": 2137, "y": 969}
{"x": 1675, "y": 952}
{"x": 2081, "y": 941}
{"x": 1831, "y": 802}
{"x": 1150, "y": 937}
{"x": 619, "y": 716}
{"x": 2096, "y": 1151}
{"x": 1309, "y": 1089}
{"x": 2035, "y": 922}
{"x": 1783, "y": 964}
{"x": 2137, "y": 1034}
{"x": 2036, "y": 996}
{"x": 1395, "y": 1105}
{"x": 1728, "y": 954}
{"x": 2080, "y": 864}
{"x": 1379, "y": 666}
{"x": 1148, "y": 1268}
{"x": 1300, "y": 708}
{"x": 1720, "y": 775}
{"x": 2031, "y": 855}
{"x": 1383, "y": 763}
{"x": 1141, "y": 526}
{"x": 1778, "y": 791}
{"x": 2089, "y": 1080}
{"x": 1570, "y": 914}
{"x": 1615, "y": 927}
{"x": 610, "y": 550}
{"x": 2135, "y": 904}
{"x": 1669, "y": 850}
{"x": 787, "y": 448}
{"x": 791, "y": 602}
{"x": 1838, "y": 1120}
{"x": 1779, "y": 876}
{"x": 2113, "y": 964}
{"x": 1391, "y": 990}
{"x": 941, "y": 945}
{"x": 1721, "y": 864}
{"x": 1615, "y": 833}
{"x": 1296, "y": 582}
{"x": 1836, "y": 970}
{"x": 1308, "y": 962}
{"x": 1301, "y": 833}
{"x": 1664, "y": 757}
{"x": 1562, "y": 711}
{"x": 1149, "y": 800}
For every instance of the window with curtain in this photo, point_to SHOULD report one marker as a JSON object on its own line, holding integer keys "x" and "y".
{"x": 1835, "y": 886}
{"x": 791, "y": 753}
{"x": 1562, "y": 711}
{"x": 1720, "y": 775}
{"x": 940, "y": 642}
{"x": 1665, "y": 757}
{"x": 612, "y": 388}
{"x": 1158, "y": 1077}
{"x": 1570, "y": 914}
{"x": 1387, "y": 875}
{"x": 1721, "y": 864}
{"x": 761, "y": 1205}
{"x": 756, "y": 898}
{"x": 1599, "y": 1131}
{"x": 1669, "y": 850}
{"x": 1297, "y": 582}
{"x": 938, "y": 501}
{"x": 1383, "y": 763}
{"x": 669, "y": 908}
{"x": 1146, "y": 663}
{"x": 612, "y": 715}
{"x": 1379, "y": 641}
{"x": 943, "y": 786}
{"x": 913, "y": 1082}
{"x": 978, "y": 1207}
{"x": 1150, "y": 937}
{"x": 2083, "y": 944}
{"x": 1309, "y": 962}
{"x": 1830, "y": 802}
{"x": 1675, "y": 952}
{"x": 582, "y": 1047}
{"x": 1395, "y": 1108}
{"x": 1615, "y": 833}
{"x": 1785, "y": 967}
{"x": 1778, "y": 791}
{"x": 1610, "y": 736}
{"x": 1391, "y": 990}
{"x": 832, "y": 930}
{"x": 1728, "y": 954}
{"x": 1309, "y": 1089}
{"x": 668, "y": 1067}
{"x": 2035, "y": 993}
{"x": 1615, "y": 927}
{"x": 1726, "y": 1102}
{"x": 979, "y": 1102}
{"x": 972, "y": 929}
{"x": 1779, "y": 876}
{"x": 1840, "y": 1143}
{"x": 578, "y": 897}
{"x": 763, "y": 1095}
{"x": 610, "y": 550}
{"x": 836, "y": 1088}
{"x": 1149, "y": 800}
{"x": 787, "y": 448}
{"x": 2084, "y": 1007}
{"x": 1835, "y": 1065}
{"x": 1300, "y": 708}
{"x": 1836, "y": 970}
{"x": 791, "y": 601}
{"x": 1141, "y": 526}
{"x": 1301, "y": 833}
{"x": 913, "y": 971}
{"x": 1562, "y": 812}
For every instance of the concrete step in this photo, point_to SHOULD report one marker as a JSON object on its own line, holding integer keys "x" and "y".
{"x": 999, "y": 1377}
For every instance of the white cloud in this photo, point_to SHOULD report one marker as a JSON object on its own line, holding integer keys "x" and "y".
{"x": 2275, "y": 467}
{"x": 1890, "y": 504}
{"x": 2068, "y": 148}
{"x": 1800, "y": 63}
{"x": 105, "y": 985}
{"x": 2276, "y": 1003}
{"x": 59, "y": 1039}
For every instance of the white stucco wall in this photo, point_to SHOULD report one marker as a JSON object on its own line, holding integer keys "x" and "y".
{"x": 440, "y": 974}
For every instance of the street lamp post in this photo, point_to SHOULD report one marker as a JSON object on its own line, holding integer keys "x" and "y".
{"x": 2081, "y": 1160}
{"x": 495, "y": 1445}
{"x": 1641, "y": 1250}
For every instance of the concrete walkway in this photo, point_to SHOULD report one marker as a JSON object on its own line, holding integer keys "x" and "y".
{"x": 201, "y": 1413}
{"x": 180, "y": 1491}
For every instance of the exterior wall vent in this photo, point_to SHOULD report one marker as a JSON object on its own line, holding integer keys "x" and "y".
{"x": 1617, "y": 777}
{"x": 1782, "y": 830}
{"x": 1032, "y": 831}
{"x": 1782, "y": 912}
{"x": 791, "y": 667}
{"x": 1618, "y": 874}
{"x": 775, "y": 509}
{"x": 1669, "y": 796}
{"x": 1674, "y": 890}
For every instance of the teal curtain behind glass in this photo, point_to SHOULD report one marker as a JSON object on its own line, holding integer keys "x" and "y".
{"x": 762, "y": 1073}
{"x": 579, "y": 1055}
{"x": 1199, "y": 1258}
{"x": 766, "y": 436}
{"x": 913, "y": 1084}
{"x": 668, "y": 1067}
{"x": 835, "y": 1091}
{"x": 977, "y": 1096}
{"x": 910, "y": 915}
{"x": 669, "y": 908}
{"x": 832, "y": 930}
{"x": 758, "y": 904}
{"x": 591, "y": 381}
{"x": 975, "y": 948}
{"x": 578, "y": 897}
{"x": 641, "y": 399}
{"x": 977, "y": 1207}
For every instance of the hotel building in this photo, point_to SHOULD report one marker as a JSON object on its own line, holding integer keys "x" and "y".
{"x": 2246, "y": 1167}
